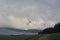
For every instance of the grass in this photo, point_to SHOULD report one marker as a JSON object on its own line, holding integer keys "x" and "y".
{"x": 20, "y": 37}
{"x": 54, "y": 36}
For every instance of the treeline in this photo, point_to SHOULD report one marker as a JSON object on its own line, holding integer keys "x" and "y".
{"x": 56, "y": 29}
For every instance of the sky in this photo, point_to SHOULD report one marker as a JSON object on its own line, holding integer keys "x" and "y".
{"x": 29, "y": 14}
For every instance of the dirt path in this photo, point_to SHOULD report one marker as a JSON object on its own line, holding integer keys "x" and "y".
{"x": 44, "y": 37}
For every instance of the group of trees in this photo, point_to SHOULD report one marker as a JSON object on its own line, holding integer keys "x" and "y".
{"x": 56, "y": 29}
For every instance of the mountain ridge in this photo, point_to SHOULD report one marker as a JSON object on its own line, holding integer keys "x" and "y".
{"x": 13, "y": 31}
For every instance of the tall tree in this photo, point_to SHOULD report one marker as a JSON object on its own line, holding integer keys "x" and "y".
{"x": 57, "y": 27}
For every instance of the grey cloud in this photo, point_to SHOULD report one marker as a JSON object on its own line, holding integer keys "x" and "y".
{"x": 32, "y": 9}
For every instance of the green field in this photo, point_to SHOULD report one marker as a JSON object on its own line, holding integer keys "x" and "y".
{"x": 20, "y": 37}
{"x": 54, "y": 36}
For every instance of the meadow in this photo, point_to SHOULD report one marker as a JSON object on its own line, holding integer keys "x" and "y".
{"x": 54, "y": 36}
{"x": 19, "y": 37}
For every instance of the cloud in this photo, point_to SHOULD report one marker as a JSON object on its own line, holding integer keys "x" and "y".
{"x": 51, "y": 1}
{"x": 29, "y": 13}
{"x": 25, "y": 23}
{"x": 18, "y": 22}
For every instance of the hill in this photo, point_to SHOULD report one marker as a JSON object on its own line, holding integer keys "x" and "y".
{"x": 12, "y": 31}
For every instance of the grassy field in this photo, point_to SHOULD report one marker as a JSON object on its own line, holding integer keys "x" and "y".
{"x": 20, "y": 37}
{"x": 54, "y": 36}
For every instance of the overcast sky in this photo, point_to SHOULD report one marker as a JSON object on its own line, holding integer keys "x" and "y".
{"x": 29, "y": 14}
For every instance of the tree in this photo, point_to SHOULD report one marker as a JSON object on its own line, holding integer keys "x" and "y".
{"x": 57, "y": 27}
{"x": 48, "y": 30}
{"x": 51, "y": 30}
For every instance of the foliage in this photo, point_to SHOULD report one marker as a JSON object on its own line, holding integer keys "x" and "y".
{"x": 48, "y": 30}
{"x": 56, "y": 29}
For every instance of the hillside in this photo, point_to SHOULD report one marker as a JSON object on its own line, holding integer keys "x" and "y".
{"x": 12, "y": 31}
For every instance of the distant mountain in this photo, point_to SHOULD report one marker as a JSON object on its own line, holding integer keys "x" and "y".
{"x": 12, "y": 31}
